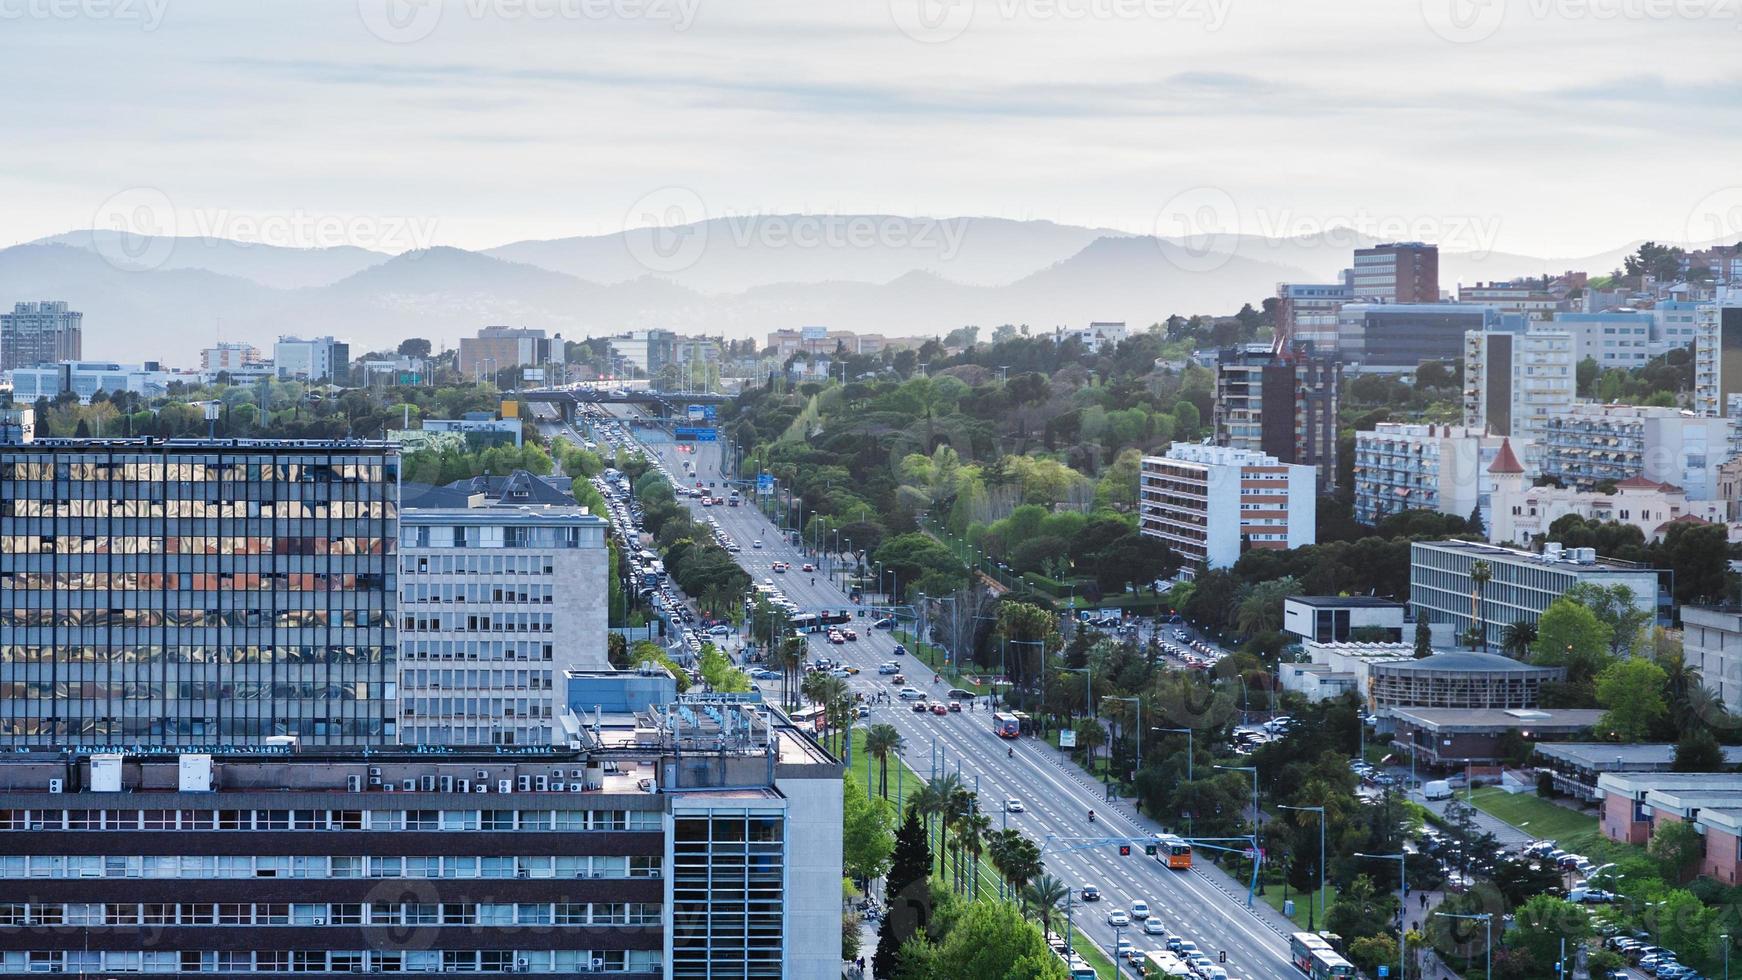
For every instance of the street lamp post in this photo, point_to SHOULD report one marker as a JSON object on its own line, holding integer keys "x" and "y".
{"x": 1488, "y": 950}
{"x": 1402, "y": 901}
{"x": 1320, "y": 810}
{"x": 1137, "y": 701}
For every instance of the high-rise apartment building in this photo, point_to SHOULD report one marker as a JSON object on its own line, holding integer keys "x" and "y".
{"x": 40, "y": 333}
{"x": 1403, "y": 466}
{"x": 1210, "y": 503}
{"x": 1589, "y": 444}
{"x": 1718, "y": 355}
{"x": 1513, "y": 383}
{"x": 318, "y": 359}
{"x": 1397, "y": 272}
{"x": 499, "y": 348}
{"x": 196, "y": 592}
{"x": 497, "y": 603}
{"x": 1283, "y": 404}
{"x": 1306, "y": 313}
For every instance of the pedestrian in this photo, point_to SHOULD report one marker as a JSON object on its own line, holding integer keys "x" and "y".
{"x": 1424, "y": 900}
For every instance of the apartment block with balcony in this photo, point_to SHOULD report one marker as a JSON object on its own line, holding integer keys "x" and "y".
{"x": 1718, "y": 356}
{"x": 1306, "y": 313}
{"x": 1280, "y": 403}
{"x": 1590, "y": 444}
{"x": 1408, "y": 466}
{"x": 1514, "y": 383}
{"x": 1397, "y": 272}
{"x": 1210, "y": 503}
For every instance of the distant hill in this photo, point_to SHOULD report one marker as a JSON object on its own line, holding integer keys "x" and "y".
{"x": 915, "y": 276}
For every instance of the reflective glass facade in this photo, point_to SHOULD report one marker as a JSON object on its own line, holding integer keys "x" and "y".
{"x": 197, "y": 593}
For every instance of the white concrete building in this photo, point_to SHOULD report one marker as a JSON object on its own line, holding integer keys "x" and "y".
{"x": 510, "y": 428}
{"x": 315, "y": 359}
{"x": 1514, "y": 383}
{"x": 1209, "y": 503}
{"x": 1521, "y": 584}
{"x": 1334, "y": 669}
{"x": 1411, "y": 466}
{"x": 496, "y": 604}
{"x": 1589, "y": 444}
{"x": 1612, "y": 338}
{"x": 1712, "y": 645}
{"x": 1096, "y": 337}
{"x": 1332, "y": 618}
{"x": 1522, "y": 513}
{"x": 86, "y": 378}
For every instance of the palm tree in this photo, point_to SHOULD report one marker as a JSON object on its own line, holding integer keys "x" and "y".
{"x": 883, "y": 740}
{"x": 973, "y": 834}
{"x": 1044, "y": 897}
{"x": 948, "y": 786}
{"x": 789, "y": 660}
{"x": 1480, "y": 573}
{"x": 957, "y": 812}
{"x": 1517, "y": 638}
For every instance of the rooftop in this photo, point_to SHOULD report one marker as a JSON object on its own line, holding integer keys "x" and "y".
{"x": 1495, "y": 553}
{"x": 1499, "y": 719}
{"x": 1506, "y": 461}
{"x": 1469, "y": 662}
{"x": 1611, "y": 756}
{"x": 1344, "y": 602}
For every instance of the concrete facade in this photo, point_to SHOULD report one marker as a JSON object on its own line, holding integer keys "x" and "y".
{"x": 1523, "y": 584}
{"x": 1209, "y": 502}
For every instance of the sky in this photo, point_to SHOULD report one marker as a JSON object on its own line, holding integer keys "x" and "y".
{"x": 1544, "y": 127}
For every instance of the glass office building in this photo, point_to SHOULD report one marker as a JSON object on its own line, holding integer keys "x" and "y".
{"x": 194, "y": 592}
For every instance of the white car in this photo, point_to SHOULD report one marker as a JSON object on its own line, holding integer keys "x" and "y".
{"x": 757, "y": 543}
{"x": 1153, "y": 927}
{"x": 1140, "y": 909}
{"x": 1117, "y": 917}
{"x": 1013, "y": 805}
{"x": 911, "y": 694}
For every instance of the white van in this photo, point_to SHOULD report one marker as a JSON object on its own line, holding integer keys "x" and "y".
{"x": 1436, "y": 789}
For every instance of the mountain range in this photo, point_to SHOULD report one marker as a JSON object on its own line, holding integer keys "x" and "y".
{"x": 164, "y": 299}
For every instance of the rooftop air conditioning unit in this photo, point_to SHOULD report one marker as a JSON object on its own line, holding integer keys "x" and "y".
{"x": 374, "y": 770}
{"x": 375, "y": 780}
{"x": 408, "y": 785}
{"x": 390, "y": 788}
{"x": 524, "y": 783}
{"x": 504, "y": 786}
{"x": 447, "y": 784}
{"x": 354, "y": 783}
{"x": 559, "y": 787}
{"x": 56, "y": 785}
{"x": 429, "y": 784}
{"x": 465, "y": 785}
{"x": 483, "y": 774}
{"x": 540, "y": 784}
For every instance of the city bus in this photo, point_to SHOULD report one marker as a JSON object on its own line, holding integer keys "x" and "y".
{"x": 1313, "y": 956}
{"x": 1006, "y": 724}
{"x": 811, "y": 716}
{"x": 1173, "y": 851}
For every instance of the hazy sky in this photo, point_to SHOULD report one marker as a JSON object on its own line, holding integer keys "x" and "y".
{"x": 1550, "y": 127}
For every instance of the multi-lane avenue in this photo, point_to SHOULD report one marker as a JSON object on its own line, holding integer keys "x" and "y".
{"x": 1202, "y": 905}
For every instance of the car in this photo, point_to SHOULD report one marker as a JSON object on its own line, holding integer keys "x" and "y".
{"x": 807, "y": 567}
{"x": 1186, "y": 949}
{"x": 888, "y": 668}
{"x": 757, "y": 543}
{"x": 1140, "y": 910}
{"x": 1091, "y": 894}
{"x": 864, "y": 711}
{"x": 899, "y": 651}
{"x": 909, "y": 693}
{"x": 898, "y": 679}
{"x": 1013, "y": 805}
{"x": 767, "y": 581}
{"x": 1117, "y": 917}
{"x": 919, "y": 708}
{"x": 884, "y": 624}
{"x": 766, "y": 675}
{"x": 956, "y": 706}
{"x": 1153, "y": 927}
{"x": 937, "y": 708}
{"x": 841, "y": 672}
{"x": 720, "y": 631}
{"x": 1123, "y": 949}
{"x": 956, "y": 692}
{"x": 778, "y": 566}
{"x": 850, "y": 633}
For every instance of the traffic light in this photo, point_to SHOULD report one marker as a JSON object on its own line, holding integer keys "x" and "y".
{"x": 1149, "y": 849}
{"x": 1124, "y": 850}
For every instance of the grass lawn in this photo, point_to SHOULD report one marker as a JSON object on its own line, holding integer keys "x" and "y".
{"x": 1535, "y": 816}
{"x": 1272, "y": 895}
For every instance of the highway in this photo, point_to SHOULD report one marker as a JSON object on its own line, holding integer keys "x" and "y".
{"x": 1056, "y": 794}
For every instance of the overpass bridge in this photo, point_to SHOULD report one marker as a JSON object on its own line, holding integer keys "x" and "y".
{"x": 669, "y": 404}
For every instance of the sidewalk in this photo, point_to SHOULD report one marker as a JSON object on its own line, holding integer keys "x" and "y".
{"x": 1505, "y": 833}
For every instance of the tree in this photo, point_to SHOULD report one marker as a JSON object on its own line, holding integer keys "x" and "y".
{"x": 1617, "y": 607}
{"x": 1090, "y": 736}
{"x": 1480, "y": 573}
{"x": 883, "y": 740}
{"x": 1361, "y": 910}
{"x": 1516, "y": 638}
{"x": 990, "y": 939}
{"x": 1571, "y": 636}
{"x": 1474, "y": 522}
{"x": 866, "y": 842}
{"x": 1632, "y": 691}
{"x": 414, "y": 347}
{"x": 1542, "y": 923}
{"x": 1699, "y": 751}
{"x": 1043, "y": 898}
{"x": 1675, "y": 845}
{"x": 908, "y": 893}
{"x": 1424, "y": 642}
